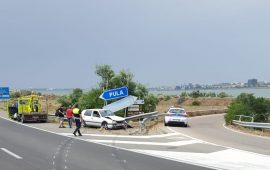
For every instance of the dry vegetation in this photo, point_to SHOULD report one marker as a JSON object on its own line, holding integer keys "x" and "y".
{"x": 49, "y": 103}
{"x": 206, "y": 104}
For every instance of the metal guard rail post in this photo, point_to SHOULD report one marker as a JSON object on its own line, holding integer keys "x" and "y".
{"x": 240, "y": 117}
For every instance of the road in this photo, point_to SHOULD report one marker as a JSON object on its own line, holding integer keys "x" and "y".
{"x": 210, "y": 128}
{"x": 26, "y": 148}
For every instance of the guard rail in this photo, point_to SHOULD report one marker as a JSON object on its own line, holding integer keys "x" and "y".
{"x": 252, "y": 124}
{"x": 141, "y": 116}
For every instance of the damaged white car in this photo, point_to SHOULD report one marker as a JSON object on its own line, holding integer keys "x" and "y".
{"x": 102, "y": 118}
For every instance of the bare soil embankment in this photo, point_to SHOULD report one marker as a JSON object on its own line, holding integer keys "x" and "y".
{"x": 206, "y": 104}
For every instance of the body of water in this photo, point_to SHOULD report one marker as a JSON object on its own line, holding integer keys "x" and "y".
{"x": 258, "y": 92}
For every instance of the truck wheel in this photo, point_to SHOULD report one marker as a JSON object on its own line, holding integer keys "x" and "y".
{"x": 22, "y": 119}
{"x": 18, "y": 118}
{"x": 44, "y": 121}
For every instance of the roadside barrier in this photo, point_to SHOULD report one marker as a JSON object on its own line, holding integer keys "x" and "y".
{"x": 252, "y": 124}
{"x": 141, "y": 116}
{"x": 144, "y": 118}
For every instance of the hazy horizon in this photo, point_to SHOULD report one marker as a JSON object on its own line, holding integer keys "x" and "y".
{"x": 57, "y": 44}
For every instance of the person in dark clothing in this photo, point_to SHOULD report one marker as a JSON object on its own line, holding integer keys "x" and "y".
{"x": 60, "y": 114}
{"x": 78, "y": 118}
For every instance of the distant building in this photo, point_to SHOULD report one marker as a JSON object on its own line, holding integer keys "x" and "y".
{"x": 252, "y": 83}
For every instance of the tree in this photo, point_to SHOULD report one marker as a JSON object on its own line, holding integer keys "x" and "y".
{"x": 141, "y": 91}
{"x": 64, "y": 101}
{"x": 75, "y": 95}
{"x": 106, "y": 73}
{"x": 72, "y": 99}
{"x": 124, "y": 78}
{"x": 91, "y": 99}
{"x": 150, "y": 103}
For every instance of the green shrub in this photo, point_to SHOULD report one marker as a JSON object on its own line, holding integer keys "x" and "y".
{"x": 181, "y": 100}
{"x": 211, "y": 94}
{"x": 167, "y": 98}
{"x": 195, "y": 94}
{"x": 247, "y": 104}
{"x": 184, "y": 94}
{"x": 236, "y": 109}
{"x": 223, "y": 95}
{"x": 196, "y": 103}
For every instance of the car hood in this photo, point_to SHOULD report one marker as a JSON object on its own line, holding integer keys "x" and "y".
{"x": 116, "y": 118}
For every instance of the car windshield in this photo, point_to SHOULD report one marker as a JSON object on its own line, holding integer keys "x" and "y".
{"x": 106, "y": 113}
{"x": 180, "y": 111}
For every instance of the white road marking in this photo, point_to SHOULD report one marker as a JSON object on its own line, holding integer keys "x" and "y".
{"x": 190, "y": 137}
{"x": 176, "y": 143}
{"x": 229, "y": 159}
{"x": 177, "y": 138}
{"x": 11, "y": 153}
{"x": 124, "y": 136}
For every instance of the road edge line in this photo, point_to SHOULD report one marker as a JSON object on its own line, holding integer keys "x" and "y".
{"x": 248, "y": 134}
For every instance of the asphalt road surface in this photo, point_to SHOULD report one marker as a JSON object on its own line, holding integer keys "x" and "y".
{"x": 210, "y": 128}
{"x": 24, "y": 148}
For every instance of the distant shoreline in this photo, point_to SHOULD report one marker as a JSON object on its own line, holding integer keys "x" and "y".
{"x": 234, "y": 92}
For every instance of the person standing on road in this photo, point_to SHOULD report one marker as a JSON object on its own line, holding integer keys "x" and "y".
{"x": 77, "y": 117}
{"x": 69, "y": 114}
{"x": 60, "y": 114}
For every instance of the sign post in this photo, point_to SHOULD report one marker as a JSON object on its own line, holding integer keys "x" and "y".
{"x": 114, "y": 93}
{"x": 4, "y": 93}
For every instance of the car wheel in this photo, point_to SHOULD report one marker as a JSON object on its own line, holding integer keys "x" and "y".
{"x": 104, "y": 125}
{"x": 83, "y": 124}
{"x": 165, "y": 124}
{"x": 125, "y": 126}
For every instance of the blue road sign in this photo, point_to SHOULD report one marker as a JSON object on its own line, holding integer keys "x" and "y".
{"x": 4, "y": 93}
{"x": 114, "y": 93}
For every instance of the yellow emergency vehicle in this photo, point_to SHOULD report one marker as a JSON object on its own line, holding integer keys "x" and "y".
{"x": 27, "y": 108}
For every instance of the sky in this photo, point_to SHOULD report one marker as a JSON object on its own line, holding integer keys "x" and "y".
{"x": 58, "y": 43}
